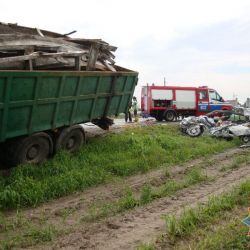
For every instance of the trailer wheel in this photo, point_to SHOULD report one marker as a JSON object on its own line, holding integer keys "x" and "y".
{"x": 70, "y": 139}
{"x": 33, "y": 149}
{"x": 170, "y": 116}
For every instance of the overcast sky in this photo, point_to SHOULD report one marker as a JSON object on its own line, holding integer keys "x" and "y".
{"x": 189, "y": 42}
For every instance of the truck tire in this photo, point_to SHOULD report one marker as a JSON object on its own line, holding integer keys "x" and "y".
{"x": 170, "y": 115}
{"x": 32, "y": 149}
{"x": 70, "y": 139}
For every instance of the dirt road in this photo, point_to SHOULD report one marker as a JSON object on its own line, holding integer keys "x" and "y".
{"x": 144, "y": 223}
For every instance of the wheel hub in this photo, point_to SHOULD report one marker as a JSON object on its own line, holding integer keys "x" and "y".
{"x": 33, "y": 152}
{"x": 71, "y": 142}
{"x": 169, "y": 116}
{"x": 194, "y": 131}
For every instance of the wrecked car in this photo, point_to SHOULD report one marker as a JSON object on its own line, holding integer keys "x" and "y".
{"x": 226, "y": 125}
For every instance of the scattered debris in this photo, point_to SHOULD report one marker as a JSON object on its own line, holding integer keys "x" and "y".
{"x": 236, "y": 115}
{"x": 24, "y": 48}
{"x": 222, "y": 127}
{"x": 148, "y": 122}
{"x": 245, "y": 145}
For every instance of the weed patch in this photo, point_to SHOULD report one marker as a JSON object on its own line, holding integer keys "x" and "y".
{"x": 31, "y": 236}
{"x": 192, "y": 218}
{"x": 237, "y": 162}
{"x": 233, "y": 235}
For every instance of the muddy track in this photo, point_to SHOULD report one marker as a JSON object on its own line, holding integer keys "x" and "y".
{"x": 125, "y": 231}
{"x": 80, "y": 202}
{"x": 144, "y": 223}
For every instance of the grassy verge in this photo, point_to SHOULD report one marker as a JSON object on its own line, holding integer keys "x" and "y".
{"x": 32, "y": 235}
{"x": 190, "y": 219}
{"x": 135, "y": 150}
{"x": 226, "y": 233}
{"x": 191, "y": 222}
{"x": 232, "y": 235}
{"x": 18, "y": 231}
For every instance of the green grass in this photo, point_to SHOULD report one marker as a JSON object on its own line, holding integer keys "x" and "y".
{"x": 193, "y": 176}
{"x": 99, "y": 211}
{"x": 19, "y": 231}
{"x": 226, "y": 233}
{"x": 29, "y": 236}
{"x": 232, "y": 235}
{"x": 133, "y": 151}
{"x": 145, "y": 247}
{"x": 193, "y": 218}
{"x": 16, "y": 222}
{"x": 237, "y": 162}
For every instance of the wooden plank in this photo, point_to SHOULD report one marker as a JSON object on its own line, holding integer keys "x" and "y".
{"x": 93, "y": 54}
{"x": 35, "y": 55}
{"x": 19, "y": 58}
{"x": 39, "y": 32}
{"x": 78, "y": 63}
{"x": 110, "y": 67}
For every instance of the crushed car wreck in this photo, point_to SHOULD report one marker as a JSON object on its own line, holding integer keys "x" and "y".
{"x": 227, "y": 125}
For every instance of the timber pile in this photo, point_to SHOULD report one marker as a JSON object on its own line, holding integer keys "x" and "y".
{"x": 23, "y": 48}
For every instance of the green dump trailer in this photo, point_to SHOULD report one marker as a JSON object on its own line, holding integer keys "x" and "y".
{"x": 40, "y": 111}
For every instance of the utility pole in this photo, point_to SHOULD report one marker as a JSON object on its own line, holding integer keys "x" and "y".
{"x": 164, "y": 81}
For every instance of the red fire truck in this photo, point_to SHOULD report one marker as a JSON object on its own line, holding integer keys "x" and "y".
{"x": 170, "y": 102}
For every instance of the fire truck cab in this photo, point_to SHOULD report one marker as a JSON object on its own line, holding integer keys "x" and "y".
{"x": 169, "y": 102}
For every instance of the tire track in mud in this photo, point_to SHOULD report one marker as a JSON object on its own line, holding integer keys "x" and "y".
{"x": 144, "y": 223}
{"x": 81, "y": 201}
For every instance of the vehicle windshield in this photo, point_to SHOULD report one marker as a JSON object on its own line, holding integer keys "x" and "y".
{"x": 214, "y": 96}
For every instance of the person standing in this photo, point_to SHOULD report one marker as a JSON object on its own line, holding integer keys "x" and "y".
{"x": 135, "y": 108}
{"x": 128, "y": 115}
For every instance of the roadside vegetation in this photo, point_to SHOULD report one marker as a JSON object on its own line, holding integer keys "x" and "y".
{"x": 20, "y": 233}
{"x": 228, "y": 236}
{"x": 215, "y": 225}
{"x": 237, "y": 162}
{"x": 135, "y": 150}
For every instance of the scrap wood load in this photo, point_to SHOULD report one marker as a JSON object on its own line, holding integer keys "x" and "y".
{"x": 23, "y": 48}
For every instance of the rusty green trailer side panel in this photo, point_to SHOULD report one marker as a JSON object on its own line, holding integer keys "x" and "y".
{"x": 39, "y": 101}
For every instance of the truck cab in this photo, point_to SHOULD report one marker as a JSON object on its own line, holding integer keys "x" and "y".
{"x": 210, "y": 100}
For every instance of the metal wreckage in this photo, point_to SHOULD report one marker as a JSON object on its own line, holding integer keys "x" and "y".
{"x": 220, "y": 124}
